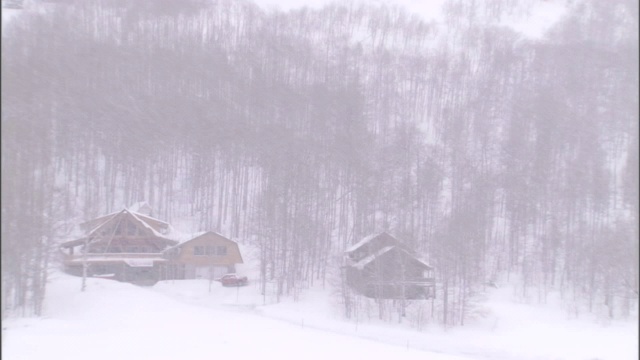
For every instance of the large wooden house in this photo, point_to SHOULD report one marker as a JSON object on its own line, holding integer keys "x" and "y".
{"x": 380, "y": 266}
{"x": 137, "y": 248}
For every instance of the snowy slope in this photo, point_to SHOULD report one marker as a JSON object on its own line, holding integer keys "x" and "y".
{"x": 532, "y": 20}
{"x": 188, "y": 319}
{"x": 120, "y": 321}
{"x": 529, "y": 18}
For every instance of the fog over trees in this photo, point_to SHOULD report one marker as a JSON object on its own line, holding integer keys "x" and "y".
{"x": 300, "y": 132}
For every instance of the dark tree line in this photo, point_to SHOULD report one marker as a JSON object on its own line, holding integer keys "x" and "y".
{"x": 302, "y": 132}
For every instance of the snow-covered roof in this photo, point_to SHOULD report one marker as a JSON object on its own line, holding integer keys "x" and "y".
{"x": 137, "y": 217}
{"x": 97, "y": 222}
{"x": 188, "y": 237}
{"x": 154, "y": 226}
{"x": 360, "y": 243}
{"x": 366, "y": 240}
{"x": 368, "y": 259}
{"x": 362, "y": 263}
{"x": 140, "y": 218}
{"x": 158, "y": 228}
{"x": 422, "y": 261}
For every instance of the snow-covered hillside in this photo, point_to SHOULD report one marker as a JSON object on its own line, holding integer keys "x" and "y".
{"x": 531, "y": 19}
{"x": 188, "y": 319}
{"x": 497, "y": 139}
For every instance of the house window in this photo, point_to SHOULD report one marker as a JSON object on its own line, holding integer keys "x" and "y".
{"x": 222, "y": 251}
{"x": 198, "y": 250}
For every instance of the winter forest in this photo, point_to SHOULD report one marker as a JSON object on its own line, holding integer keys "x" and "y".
{"x": 300, "y": 132}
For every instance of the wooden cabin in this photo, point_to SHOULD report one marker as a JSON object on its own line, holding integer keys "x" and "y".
{"x": 134, "y": 247}
{"x": 207, "y": 256}
{"x": 380, "y": 266}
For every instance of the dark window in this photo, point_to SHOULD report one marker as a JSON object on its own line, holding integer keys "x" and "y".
{"x": 222, "y": 251}
{"x": 198, "y": 250}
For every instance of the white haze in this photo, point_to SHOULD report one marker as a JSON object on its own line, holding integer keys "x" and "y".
{"x": 503, "y": 148}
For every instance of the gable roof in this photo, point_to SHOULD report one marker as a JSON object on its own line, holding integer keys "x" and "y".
{"x": 89, "y": 225}
{"x": 366, "y": 240}
{"x": 149, "y": 222}
{"x": 376, "y": 251}
{"x": 369, "y": 259}
{"x": 197, "y": 236}
{"x": 158, "y": 228}
{"x": 371, "y": 238}
{"x": 422, "y": 262}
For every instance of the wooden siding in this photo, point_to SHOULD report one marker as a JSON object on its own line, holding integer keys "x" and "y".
{"x": 187, "y": 252}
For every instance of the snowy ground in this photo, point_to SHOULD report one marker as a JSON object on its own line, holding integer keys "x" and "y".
{"x": 187, "y": 319}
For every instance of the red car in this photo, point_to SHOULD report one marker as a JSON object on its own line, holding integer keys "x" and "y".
{"x": 233, "y": 280}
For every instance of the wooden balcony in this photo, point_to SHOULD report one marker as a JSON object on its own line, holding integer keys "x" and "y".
{"x": 76, "y": 259}
{"x": 422, "y": 282}
{"x": 421, "y": 288}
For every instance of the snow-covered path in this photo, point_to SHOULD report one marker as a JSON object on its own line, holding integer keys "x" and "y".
{"x": 183, "y": 319}
{"x": 120, "y": 321}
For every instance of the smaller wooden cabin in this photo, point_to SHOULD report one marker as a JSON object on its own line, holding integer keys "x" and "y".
{"x": 380, "y": 266}
{"x": 207, "y": 256}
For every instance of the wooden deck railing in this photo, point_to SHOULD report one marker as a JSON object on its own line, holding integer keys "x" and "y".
{"x": 67, "y": 258}
{"x": 426, "y": 282}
